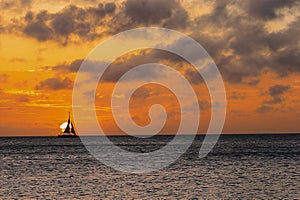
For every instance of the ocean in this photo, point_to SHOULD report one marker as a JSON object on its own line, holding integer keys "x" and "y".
{"x": 239, "y": 167}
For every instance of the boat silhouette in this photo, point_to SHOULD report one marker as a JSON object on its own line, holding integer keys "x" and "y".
{"x": 69, "y": 130}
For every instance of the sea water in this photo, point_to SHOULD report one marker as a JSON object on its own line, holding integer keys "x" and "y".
{"x": 239, "y": 167}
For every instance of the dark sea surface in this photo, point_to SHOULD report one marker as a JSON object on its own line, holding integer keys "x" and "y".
{"x": 239, "y": 167}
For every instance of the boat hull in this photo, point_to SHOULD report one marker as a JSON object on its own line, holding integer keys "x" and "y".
{"x": 67, "y": 136}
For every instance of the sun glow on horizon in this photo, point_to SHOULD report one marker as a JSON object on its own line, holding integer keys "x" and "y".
{"x": 64, "y": 125}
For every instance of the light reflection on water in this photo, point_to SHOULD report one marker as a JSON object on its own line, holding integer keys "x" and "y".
{"x": 244, "y": 166}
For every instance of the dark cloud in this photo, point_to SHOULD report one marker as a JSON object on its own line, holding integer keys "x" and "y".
{"x": 248, "y": 39}
{"x": 237, "y": 39}
{"x": 137, "y": 13}
{"x": 278, "y": 90}
{"x": 274, "y": 100}
{"x": 83, "y": 22}
{"x": 284, "y": 38}
{"x": 266, "y": 9}
{"x": 109, "y": 8}
{"x": 253, "y": 82}
{"x": 168, "y": 13}
{"x": 178, "y": 20}
{"x": 63, "y": 24}
{"x": 264, "y": 109}
{"x": 55, "y": 84}
{"x": 82, "y": 29}
{"x": 141, "y": 93}
{"x": 276, "y": 93}
{"x": 149, "y": 11}
{"x": 287, "y": 61}
{"x": 74, "y": 66}
{"x": 127, "y": 62}
{"x": 15, "y": 5}
{"x": 193, "y": 76}
{"x": 236, "y": 95}
{"x": 38, "y": 30}
{"x": 67, "y": 67}
{"x": 29, "y": 16}
{"x": 204, "y": 105}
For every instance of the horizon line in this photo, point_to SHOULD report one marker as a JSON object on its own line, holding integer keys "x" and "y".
{"x": 124, "y": 135}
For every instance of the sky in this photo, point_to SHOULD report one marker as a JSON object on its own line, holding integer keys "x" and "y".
{"x": 254, "y": 43}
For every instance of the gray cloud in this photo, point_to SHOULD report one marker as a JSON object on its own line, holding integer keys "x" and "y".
{"x": 266, "y": 9}
{"x": 236, "y": 95}
{"x": 204, "y": 105}
{"x": 264, "y": 109}
{"x": 274, "y": 100}
{"x": 63, "y": 24}
{"x": 245, "y": 35}
{"x": 193, "y": 76}
{"x": 141, "y": 93}
{"x": 55, "y": 84}
{"x": 168, "y": 13}
{"x": 15, "y": 5}
{"x": 38, "y": 30}
{"x": 75, "y": 65}
{"x": 137, "y": 13}
{"x": 276, "y": 93}
{"x": 148, "y": 11}
{"x": 241, "y": 31}
{"x": 71, "y": 20}
{"x": 278, "y": 90}
{"x": 253, "y": 82}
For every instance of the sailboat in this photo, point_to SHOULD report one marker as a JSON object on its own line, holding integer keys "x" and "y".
{"x": 69, "y": 130}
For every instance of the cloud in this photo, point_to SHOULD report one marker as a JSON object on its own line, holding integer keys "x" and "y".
{"x": 148, "y": 11}
{"x": 241, "y": 44}
{"x": 278, "y": 90}
{"x": 204, "y": 105}
{"x": 142, "y": 92}
{"x": 63, "y": 24}
{"x": 38, "y": 30}
{"x": 193, "y": 76}
{"x": 93, "y": 22}
{"x": 276, "y": 93}
{"x": 55, "y": 84}
{"x": 236, "y": 95}
{"x": 253, "y": 82}
{"x": 274, "y": 100}
{"x": 71, "y": 20}
{"x": 235, "y": 34}
{"x": 170, "y": 13}
{"x": 15, "y": 5}
{"x": 266, "y": 9}
{"x": 75, "y": 65}
{"x": 264, "y": 109}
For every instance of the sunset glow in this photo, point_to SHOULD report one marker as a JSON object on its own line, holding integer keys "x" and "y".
{"x": 64, "y": 125}
{"x": 42, "y": 45}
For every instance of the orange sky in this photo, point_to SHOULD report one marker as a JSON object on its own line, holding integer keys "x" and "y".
{"x": 255, "y": 46}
